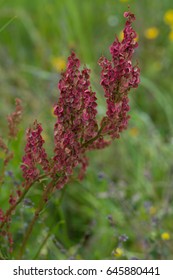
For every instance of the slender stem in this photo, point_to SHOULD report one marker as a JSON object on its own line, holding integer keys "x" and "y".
{"x": 94, "y": 138}
{"x": 42, "y": 245}
{"x": 10, "y": 210}
{"x": 13, "y": 207}
{"x": 2, "y": 175}
{"x": 53, "y": 226}
{"x": 41, "y": 204}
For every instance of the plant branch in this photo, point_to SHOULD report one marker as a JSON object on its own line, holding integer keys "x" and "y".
{"x": 13, "y": 207}
{"x": 40, "y": 207}
{"x": 94, "y": 138}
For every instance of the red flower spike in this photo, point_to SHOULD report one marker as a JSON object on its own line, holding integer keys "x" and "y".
{"x": 12, "y": 199}
{"x": 34, "y": 154}
{"x": 14, "y": 119}
{"x": 1, "y": 215}
{"x": 118, "y": 76}
{"x": 76, "y": 116}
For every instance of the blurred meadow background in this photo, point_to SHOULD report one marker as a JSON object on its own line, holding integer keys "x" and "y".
{"x": 123, "y": 209}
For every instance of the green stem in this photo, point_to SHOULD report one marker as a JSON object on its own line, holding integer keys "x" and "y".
{"x": 42, "y": 245}
{"x": 40, "y": 207}
{"x": 7, "y": 23}
{"x": 53, "y": 226}
{"x": 94, "y": 138}
{"x": 13, "y": 207}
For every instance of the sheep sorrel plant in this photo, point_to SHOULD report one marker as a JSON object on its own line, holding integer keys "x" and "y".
{"x": 76, "y": 130}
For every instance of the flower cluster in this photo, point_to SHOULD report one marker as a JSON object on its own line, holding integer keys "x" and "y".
{"x": 3, "y": 146}
{"x": 118, "y": 76}
{"x": 76, "y": 117}
{"x": 34, "y": 155}
{"x": 14, "y": 119}
{"x": 7, "y": 154}
{"x": 1, "y": 215}
{"x": 13, "y": 122}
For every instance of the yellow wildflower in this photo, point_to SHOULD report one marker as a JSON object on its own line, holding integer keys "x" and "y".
{"x": 52, "y": 113}
{"x": 2, "y": 154}
{"x": 121, "y": 36}
{"x": 59, "y": 63}
{"x": 134, "y": 131}
{"x": 165, "y": 236}
{"x": 171, "y": 35}
{"x": 118, "y": 252}
{"x": 151, "y": 33}
{"x": 45, "y": 136}
{"x": 137, "y": 38}
{"x": 124, "y": 0}
{"x": 152, "y": 210}
{"x": 168, "y": 17}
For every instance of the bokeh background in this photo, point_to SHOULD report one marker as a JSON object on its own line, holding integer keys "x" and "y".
{"x": 123, "y": 209}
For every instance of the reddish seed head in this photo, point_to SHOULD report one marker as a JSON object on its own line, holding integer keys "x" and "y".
{"x": 131, "y": 17}
{"x": 118, "y": 76}
{"x": 34, "y": 154}
{"x": 12, "y": 199}
{"x": 76, "y": 116}
{"x": 1, "y": 215}
{"x": 15, "y": 118}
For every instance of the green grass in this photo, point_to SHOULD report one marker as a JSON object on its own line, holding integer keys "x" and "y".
{"x": 135, "y": 188}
